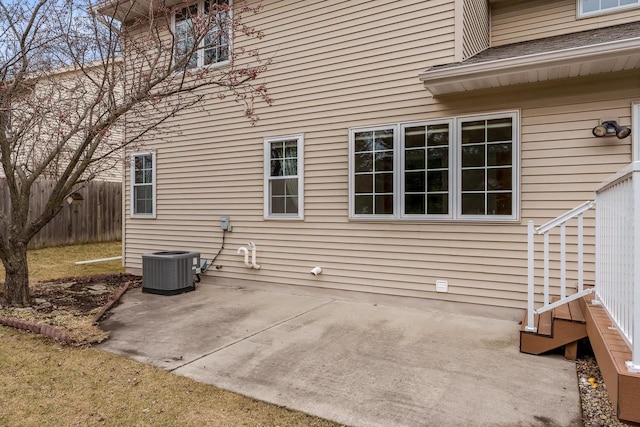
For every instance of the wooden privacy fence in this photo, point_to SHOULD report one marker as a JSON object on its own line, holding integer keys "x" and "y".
{"x": 97, "y": 218}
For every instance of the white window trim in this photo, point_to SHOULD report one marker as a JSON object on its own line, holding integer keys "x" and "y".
{"x": 396, "y": 167}
{"x": 635, "y": 128}
{"x": 455, "y": 172}
{"x": 580, "y": 14}
{"x": 267, "y": 178}
{"x": 132, "y": 173}
{"x": 200, "y": 51}
{"x": 635, "y": 136}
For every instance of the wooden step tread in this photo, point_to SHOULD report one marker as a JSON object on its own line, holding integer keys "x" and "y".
{"x": 570, "y": 312}
{"x": 543, "y": 322}
{"x": 576, "y": 312}
{"x": 565, "y": 334}
{"x": 562, "y": 312}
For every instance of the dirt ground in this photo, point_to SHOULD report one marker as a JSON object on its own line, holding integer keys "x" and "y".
{"x": 81, "y": 295}
{"x": 73, "y": 304}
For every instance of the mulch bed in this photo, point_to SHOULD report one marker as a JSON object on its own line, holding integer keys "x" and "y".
{"x": 69, "y": 309}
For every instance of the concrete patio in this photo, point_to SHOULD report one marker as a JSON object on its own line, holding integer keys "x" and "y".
{"x": 356, "y": 363}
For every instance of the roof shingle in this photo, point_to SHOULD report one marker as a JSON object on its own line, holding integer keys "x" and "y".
{"x": 551, "y": 44}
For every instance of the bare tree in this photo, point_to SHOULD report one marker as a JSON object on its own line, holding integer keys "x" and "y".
{"x": 72, "y": 72}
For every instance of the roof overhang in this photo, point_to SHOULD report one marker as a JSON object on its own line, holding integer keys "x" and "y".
{"x": 129, "y": 10}
{"x": 581, "y": 61}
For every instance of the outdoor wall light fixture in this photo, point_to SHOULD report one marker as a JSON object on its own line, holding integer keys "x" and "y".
{"x": 611, "y": 127}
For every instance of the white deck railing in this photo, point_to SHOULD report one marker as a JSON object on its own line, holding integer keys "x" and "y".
{"x": 618, "y": 255}
{"x": 545, "y": 231}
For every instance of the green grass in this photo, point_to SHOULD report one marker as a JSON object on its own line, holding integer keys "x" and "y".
{"x": 44, "y": 384}
{"x": 57, "y": 262}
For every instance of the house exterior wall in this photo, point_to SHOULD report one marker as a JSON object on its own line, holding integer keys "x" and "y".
{"x": 518, "y": 21}
{"x": 338, "y": 67}
{"x": 63, "y": 91}
{"x": 476, "y": 35}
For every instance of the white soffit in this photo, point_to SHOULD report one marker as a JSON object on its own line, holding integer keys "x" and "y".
{"x": 560, "y": 64}
{"x": 128, "y": 10}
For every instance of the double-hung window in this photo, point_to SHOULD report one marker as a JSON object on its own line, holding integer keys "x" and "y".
{"x": 207, "y": 24}
{"x": 487, "y": 148}
{"x": 374, "y": 171}
{"x": 426, "y": 169}
{"x": 283, "y": 181}
{"x": 463, "y": 168}
{"x": 592, "y": 7}
{"x": 143, "y": 184}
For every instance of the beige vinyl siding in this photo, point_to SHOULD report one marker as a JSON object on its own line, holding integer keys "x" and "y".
{"x": 61, "y": 85}
{"x": 476, "y": 27}
{"x": 518, "y": 21}
{"x": 362, "y": 70}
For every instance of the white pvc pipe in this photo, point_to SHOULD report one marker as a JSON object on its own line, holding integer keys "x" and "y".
{"x": 253, "y": 256}
{"x": 91, "y": 261}
{"x": 244, "y": 251}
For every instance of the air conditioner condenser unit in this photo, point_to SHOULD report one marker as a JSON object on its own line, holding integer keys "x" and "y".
{"x": 170, "y": 272}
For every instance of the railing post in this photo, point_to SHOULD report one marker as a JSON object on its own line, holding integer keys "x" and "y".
{"x": 634, "y": 364}
{"x": 563, "y": 261}
{"x": 531, "y": 282}
{"x": 544, "y": 230}
{"x": 546, "y": 268}
{"x": 599, "y": 273}
{"x": 580, "y": 253}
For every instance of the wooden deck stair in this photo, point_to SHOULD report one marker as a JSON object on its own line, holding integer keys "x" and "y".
{"x": 611, "y": 353}
{"x": 563, "y": 326}
{"x": 569, "y": 323}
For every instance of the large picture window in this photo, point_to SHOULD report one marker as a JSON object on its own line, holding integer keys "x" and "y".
{"x": 143, "y": 185}
{"x": 284, "y": 172}
{"x": 214, "y": 46}
{"x": 463, "y": 168}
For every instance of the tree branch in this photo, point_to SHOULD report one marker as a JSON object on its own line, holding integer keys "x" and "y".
{"x": 64, "y": 125}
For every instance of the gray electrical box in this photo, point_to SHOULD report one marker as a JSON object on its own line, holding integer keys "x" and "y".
{"x": 225, "y": 223}
{"x": 169, "y": 272}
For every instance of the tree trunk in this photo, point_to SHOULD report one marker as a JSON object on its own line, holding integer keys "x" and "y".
{"x": 16, "y": 283}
